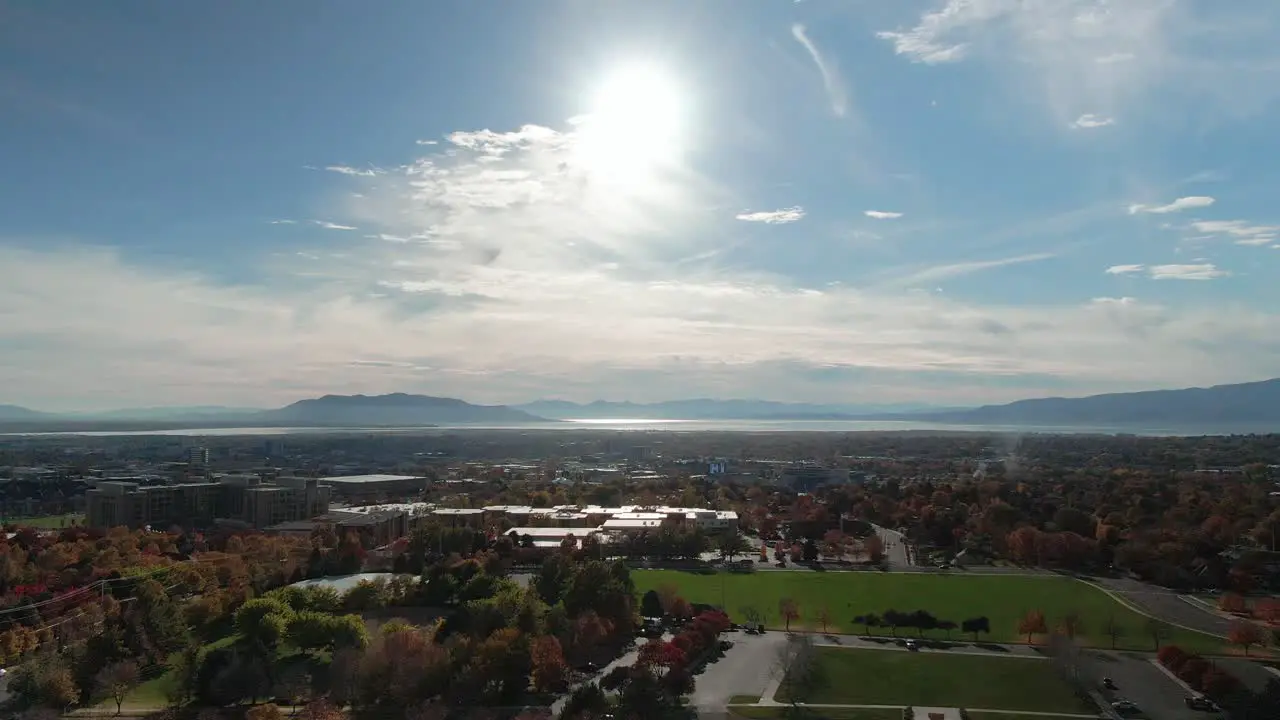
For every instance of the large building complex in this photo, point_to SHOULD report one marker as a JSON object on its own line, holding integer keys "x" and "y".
{"x": 247, "y": 500}
{"x": 375, "y": 488}
{"x": 607, "y": 520}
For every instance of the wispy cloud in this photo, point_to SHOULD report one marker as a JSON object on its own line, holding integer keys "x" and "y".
{"x": 882, "y": 214}
{"x": 942, "y": 272}
{"x": 1182, "y": 203}
{"x": 834, "y": 85}
{"x": 327, "y": 225}
{"x": 1242, "y": 231}
{"x": 1089, "y": 121}
{"x": 773, "y": 217}
{"x": 1102, "y": 55}
{"x": 284, "y": 222}
{"x": 1125, "y": 269}
{"x": 347, "y": 170}
{"x": 1206, "y": 271}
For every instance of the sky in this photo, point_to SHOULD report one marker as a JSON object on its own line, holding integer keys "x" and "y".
{"x": 862, "y": 201}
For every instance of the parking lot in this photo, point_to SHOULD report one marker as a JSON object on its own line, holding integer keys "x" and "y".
{"x": 1137, "y": 680}
{"x": 744, "y": 670}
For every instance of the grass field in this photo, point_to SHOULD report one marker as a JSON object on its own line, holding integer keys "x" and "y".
{"x": 47, "y": 522}
{"x": 1004, "y": 599}
{"x": 885, "y": 677}
{"x": 154, "y": 693}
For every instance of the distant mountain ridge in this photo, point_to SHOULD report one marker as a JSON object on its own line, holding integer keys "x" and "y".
{"x": 708, "y": 409}
{"x": 1253, "y": 403}
{"x": 392, "y": 410}
{"x": 1248, "y": 407}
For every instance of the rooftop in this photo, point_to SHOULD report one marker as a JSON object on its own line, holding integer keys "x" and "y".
{"x": 370, "y": 478}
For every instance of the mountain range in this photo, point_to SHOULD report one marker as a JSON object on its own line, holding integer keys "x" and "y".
{"x": 706, "y": 409}
{"x": 1254, "y": 405}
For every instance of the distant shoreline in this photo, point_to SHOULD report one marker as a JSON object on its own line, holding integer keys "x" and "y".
{"x": 241, "y": 429}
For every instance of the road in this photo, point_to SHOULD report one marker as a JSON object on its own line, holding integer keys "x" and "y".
{"x": 895, "y": 547}
{"x": 1165, "y": 604}
{"x": 1141, "y": 682}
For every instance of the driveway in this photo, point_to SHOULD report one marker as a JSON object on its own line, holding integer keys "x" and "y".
{"x": 744, "y": 670}
{"x": 1138, "y": 680}
{"x": 895, "y": 546}
{"x": 1167, "y": 605}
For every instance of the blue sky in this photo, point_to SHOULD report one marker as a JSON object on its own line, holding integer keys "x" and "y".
{"x": 949, "y": 201}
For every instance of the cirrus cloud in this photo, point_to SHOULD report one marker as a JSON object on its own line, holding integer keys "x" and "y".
{"x": 773, "y": 217}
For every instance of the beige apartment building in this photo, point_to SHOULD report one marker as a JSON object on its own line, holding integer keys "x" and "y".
{"x": 244, "y": 499}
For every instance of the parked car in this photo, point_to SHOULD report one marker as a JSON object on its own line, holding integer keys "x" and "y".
{"x": 1108, "y": 683}
{"x": 1200, "y": 702}
{"x": 912, "y": 646}
{"x": 1125, "y": 707}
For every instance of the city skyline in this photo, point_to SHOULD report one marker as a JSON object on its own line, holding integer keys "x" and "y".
{"x": 942, "y": 202}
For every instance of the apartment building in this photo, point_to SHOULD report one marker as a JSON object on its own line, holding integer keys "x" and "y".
{"x": 243, "y": 499}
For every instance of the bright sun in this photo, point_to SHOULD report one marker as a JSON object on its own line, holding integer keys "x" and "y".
{"x": 634, "y": 125}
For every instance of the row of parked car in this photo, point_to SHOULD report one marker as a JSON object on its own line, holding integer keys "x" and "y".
{"x": 1128, "y": 707}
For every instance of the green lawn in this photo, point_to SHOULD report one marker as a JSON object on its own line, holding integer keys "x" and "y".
{"x": 47, "y": 522}
{"x": 886, "y": 677}
{"x": 155, "y": 692}
{"x": 1003, "y": 599}
{"x": 783, "y": 713}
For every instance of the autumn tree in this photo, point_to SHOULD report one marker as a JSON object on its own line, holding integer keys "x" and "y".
{"x": 823, "y": 616}
{"x": 550, "y": 673}
{"x": 1113, "y": 629}
{"x": 873, "y": 546}
{"x": 1157, "y": 630}
{"x": 1233, "y": 603}
{"x": 1033, "y": 623}
{"x": 269, "y": 711}
{"x": 116, "y": 680}
{"x": 1245, "y": 634}
{"x": 1071, "y": 625}
{"x": 789, "y": 610}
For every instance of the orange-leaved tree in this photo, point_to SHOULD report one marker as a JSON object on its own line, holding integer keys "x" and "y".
{"x": 789, "y": 609}
{"x": 1033, "y": 623}
{"x": 1245, "y": 634}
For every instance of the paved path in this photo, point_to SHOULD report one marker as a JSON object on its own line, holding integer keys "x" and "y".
{"x": 895, "y": 547}
{"x": 1166, "y": 605}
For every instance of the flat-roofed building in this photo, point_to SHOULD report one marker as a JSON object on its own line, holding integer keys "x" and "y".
{"x": 460, "y": 517}
{"x": 552, "y": 537}
{"x": 373, "y": 488}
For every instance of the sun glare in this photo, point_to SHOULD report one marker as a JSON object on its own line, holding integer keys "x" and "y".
{"x": 634, "y": 125}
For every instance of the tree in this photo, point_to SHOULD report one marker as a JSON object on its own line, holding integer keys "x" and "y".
{"x": 651, "y": 605}
{"x": 550, "y": 672}
{"x": 751, "y": 614}
{"x": 1033, "y": 623}
{"x": 1157, "y": 630}
{"x": 552, "y": 578}
{"x": 893, "y": 620}
{"x": 732, "y": 544}
{"x": 1245, "y": 634}
{"x": 681, "y": 609}
{"x": 1233, "y": 603}
{"x": 1071, "y": 625}
{"x": 947, "y": 626}
{"x": 321, "y": 709}
{"x": 1113, "y": 629}
{"x": 789, "y": 610}
{"x": 269, "y": 711}
{"x": 873, "y": 546}
{"x": 801, "y": 672}
{"x": 116, "y": 680}
{"x": 823, "y": 616}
